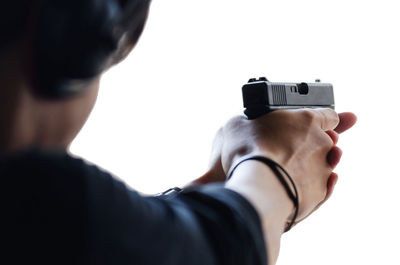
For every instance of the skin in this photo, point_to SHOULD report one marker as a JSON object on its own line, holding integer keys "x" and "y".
{"x": 304, "y": 142}
{"x": 26, "y": 120}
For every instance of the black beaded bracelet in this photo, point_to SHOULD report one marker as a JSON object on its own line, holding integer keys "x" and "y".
{"x": 277, "y": 169}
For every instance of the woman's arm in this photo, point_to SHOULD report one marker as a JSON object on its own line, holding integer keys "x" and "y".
{"x": 261, "y": 187}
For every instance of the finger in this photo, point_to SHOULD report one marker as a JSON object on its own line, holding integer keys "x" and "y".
{"x": 330, "y": 186}
{"x": 347, "y": 120}
{"x": 333, "y": 178}
{"x": 213, "y": 175}
{"x": 334, "y": 136}
{"x": 333, "y": 157}
{"x": 327, "y": 118}
{"x": 210, "y": 177}
{"x": 216, "y": 148}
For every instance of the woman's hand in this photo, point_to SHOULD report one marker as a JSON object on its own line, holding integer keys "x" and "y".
{"x": 302, "y": 141}
{"x": 216, "y": 173}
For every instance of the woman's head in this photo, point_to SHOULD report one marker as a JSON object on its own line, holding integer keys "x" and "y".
{"x": 60, "y": 48}
{"x": 68, "y": 42}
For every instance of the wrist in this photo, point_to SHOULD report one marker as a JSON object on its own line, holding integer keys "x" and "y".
{"x": 279, "y": 157}
{"x": 258, "y": 184}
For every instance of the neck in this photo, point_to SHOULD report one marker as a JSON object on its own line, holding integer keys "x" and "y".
{"x": 27, "y": 121}
{"x": 24, "y": 122}
{"x": 10, "y": 98}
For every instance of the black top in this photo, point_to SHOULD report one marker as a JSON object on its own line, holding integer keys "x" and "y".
{"x": 56, "y": 209}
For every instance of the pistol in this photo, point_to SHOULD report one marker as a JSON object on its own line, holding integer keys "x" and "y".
{"x": 261, "y": 96}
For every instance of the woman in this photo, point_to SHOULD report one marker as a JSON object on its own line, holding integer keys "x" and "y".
{"x": 58, "y": 209}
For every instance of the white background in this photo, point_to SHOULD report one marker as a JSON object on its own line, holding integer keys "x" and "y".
{"x": 157, "y": 112}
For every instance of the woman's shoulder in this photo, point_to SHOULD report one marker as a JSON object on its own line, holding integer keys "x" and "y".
{"x": 34, "y": 161}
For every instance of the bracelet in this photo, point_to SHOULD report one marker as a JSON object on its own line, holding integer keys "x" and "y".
{"x": 277, "y": 169}
{"x": 169, "y": 192}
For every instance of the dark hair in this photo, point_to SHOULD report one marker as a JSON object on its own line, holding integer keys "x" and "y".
{"x": 136, "y": 25}
{"x": 69, "y": 42}
{"x": 14, "y": 19}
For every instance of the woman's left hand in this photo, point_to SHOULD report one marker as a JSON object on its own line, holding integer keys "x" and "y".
{"x": 215, "y": 172}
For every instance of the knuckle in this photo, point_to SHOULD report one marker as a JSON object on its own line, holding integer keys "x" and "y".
{"x": 335, "y": 116}
{"x": 328, "y": 143}
{"x": 324, "y": 142}
{"x": 322, "y": 195}
{"x": 235, "y": 123}
{"x": 330, "y": 118}
{"x": 308, "y": 116}
{"x": 332, "y": 112}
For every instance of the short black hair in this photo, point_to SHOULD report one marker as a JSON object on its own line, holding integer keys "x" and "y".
{"x": 13, "y": 20}
{"x": 14, "y": 17}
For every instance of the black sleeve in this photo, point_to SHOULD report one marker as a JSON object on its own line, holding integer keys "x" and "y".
{"x": 68, "y": 212}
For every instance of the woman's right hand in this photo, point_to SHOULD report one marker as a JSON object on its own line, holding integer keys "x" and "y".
{"x": 302, "y": 141}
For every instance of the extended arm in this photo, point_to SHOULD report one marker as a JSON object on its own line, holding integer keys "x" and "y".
{"x": 67, "y": 212}
{"x": 207, "y": 225}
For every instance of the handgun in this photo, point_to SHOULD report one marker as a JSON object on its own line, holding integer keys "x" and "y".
{"x": 261, "y": 96}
